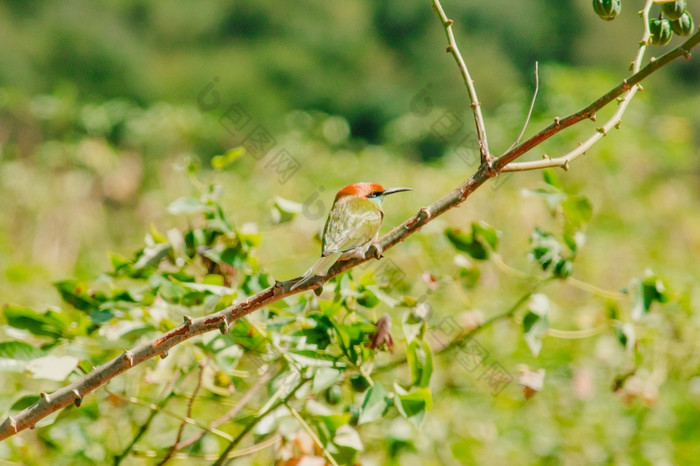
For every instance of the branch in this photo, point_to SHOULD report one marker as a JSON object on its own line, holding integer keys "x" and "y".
{"x": 268, "y": 409}
{"x": 629, "y": 86}
{"x": 229, "y": 415}
{"x": 452, "y": 48}
{"x": 190, "y": 402}
{"x": 221, "y": 320}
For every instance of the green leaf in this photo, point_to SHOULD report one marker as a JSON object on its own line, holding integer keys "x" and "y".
{"x": 649, "y": 290}
{"x": 24, "y": 402}
{"x": 552, "y": 179}
{"x": 466, "y": 242}
{"x": 19, "y": 350}
{"x": 187, "y": 206}
{"x": 48, "y": 324}
{"x": 625, "y": 334}
{"x": 219, "y": 162}
{"x": 375, "y": 404}
{"x": 53, "y": 367}
{"x": 311, "y": 358}
{"x": 577, "y": 211}
{"x": 324, "y": 378}
{"x": 152, "y": 255}
{"x": 367, "y": 298}
{"x": 346, "y": 436}
{"x": 413, "y": 405}
{"x": 536, "y": 323}
{"x": 77, "y": 294}
{"x": 284, "y": 210}
{"x": 420, "y": 361}
{"x": 544, "y": 248}
{"x": 484, "y": 231}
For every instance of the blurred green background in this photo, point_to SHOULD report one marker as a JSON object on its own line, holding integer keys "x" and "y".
{"x": 103, "y": 104}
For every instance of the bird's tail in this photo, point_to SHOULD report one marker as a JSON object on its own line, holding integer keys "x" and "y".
{"x": 321, "y": 268}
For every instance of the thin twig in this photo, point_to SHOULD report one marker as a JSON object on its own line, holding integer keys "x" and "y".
{"x": 312, "y": 434}
{"x": 459, "y": 340}
{"x": 475, "y": 105}
{"x": 630, "y": 86}
{"x": 234, "y": 454}
{"x": 171, "y": 414}
{"x": 532, "y": 106}
{"x": 168, "y": 392}
{"x": 250, "y": 425}
{"x": 190, "y": 402}
{"x": 231, "y": 414}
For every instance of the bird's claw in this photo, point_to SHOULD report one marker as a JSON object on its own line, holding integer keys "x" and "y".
{"x": 376, "y": 250}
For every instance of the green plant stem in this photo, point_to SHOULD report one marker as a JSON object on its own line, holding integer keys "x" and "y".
{"x": 224, "y": 455}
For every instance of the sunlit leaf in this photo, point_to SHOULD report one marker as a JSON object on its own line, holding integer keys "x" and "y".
{"x": 346, "y": 436}
{"x": 420, "y": 361}
{"x": 374, "y": 405}
{"x": 414, "y": 404}
{"x": 187, "y": 206}
{"x": 53, "y": 367}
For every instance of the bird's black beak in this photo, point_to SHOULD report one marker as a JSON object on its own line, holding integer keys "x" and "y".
{"x": 395, "y": 190}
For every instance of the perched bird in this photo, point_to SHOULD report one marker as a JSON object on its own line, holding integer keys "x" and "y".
{"x": 353, "y": 225}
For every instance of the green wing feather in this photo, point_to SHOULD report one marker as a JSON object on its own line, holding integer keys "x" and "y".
{"x": 352, "y": 222}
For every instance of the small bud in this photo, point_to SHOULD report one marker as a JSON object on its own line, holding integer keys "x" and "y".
{"x": 164, "y": 354}
{"x": 45, "y": 397}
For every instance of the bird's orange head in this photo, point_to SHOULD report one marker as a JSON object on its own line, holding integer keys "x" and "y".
{"x": 370, "y": 191}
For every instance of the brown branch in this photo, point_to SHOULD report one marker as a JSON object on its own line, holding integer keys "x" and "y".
{"x": 475, "y": 105}
{"x": 683, "y": 50}
{"x": 221, "y": 320}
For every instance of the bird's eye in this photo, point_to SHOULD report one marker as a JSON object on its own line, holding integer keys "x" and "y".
{"x": 374, "y": 194}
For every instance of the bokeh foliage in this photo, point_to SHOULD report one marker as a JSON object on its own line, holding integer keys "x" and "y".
{"x": 96, "y": 157}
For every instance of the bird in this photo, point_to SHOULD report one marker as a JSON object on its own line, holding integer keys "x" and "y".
{"x": 352, "y": 226}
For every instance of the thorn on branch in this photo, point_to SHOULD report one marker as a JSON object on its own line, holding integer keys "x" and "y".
{"x": 449, "y": 49}
{"x": 641, "y": 89}
{"x": 425, "y": 213}
{"x": 45, "y": 397}
{"x": 13, "y": 424}
{"x": 620, "y": 99}
{"x": 277, "y": 287}
{"x": 593, "y": 117}
{"x": 188, "y": 321}
{"x": 129, "y": 357}
{"x": 617, "y": 125}
{"x": 78, "y": 399}
{"x": 223, "y": 326}
{"x": 164, "y": 354}
{"x": 546, "y": 157}
{"x": 625, "y": 85}
{"x": 631, "y": 67}
{"x": 565, "y": 166}
{"x": 449, "y": 22}
{"x": 686, "y": 53}
{"x": 602, "y": 131}
{"x": 556, "y": 121}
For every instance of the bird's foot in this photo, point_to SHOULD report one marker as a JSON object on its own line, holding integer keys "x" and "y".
{"x": 375, "y": 249}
